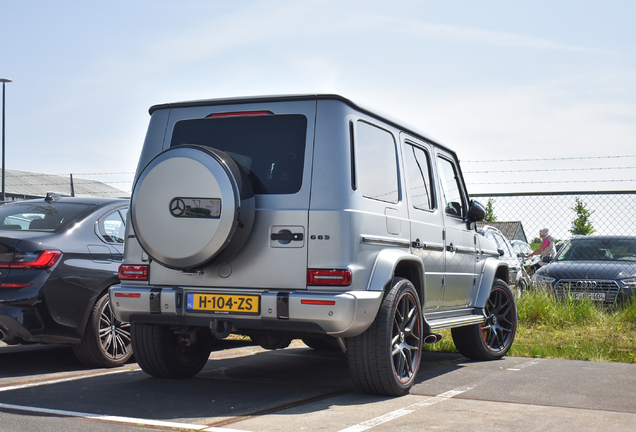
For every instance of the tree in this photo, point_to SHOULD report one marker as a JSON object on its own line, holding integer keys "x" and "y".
{"x": 582, "y": 224}
{"x": 490, "y": 212}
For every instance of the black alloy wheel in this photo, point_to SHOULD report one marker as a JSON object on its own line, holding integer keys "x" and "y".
{"x": 498, "y": 330}
{"x": 386, "y": 357}
{"x": 492, "y": 339}
{"x": 406, "y": 340}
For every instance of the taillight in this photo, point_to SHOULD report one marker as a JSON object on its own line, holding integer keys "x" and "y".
{"x": 329, "y": 277}
{"x": 33, "y": 260}
{"x": 133, "y": 272}
{"x": 239, "y": 114}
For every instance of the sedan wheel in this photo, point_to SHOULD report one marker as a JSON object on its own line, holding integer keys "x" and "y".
{"x": 106, "y": 341}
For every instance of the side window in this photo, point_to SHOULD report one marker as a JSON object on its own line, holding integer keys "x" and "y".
{"x": 451, "y": 188}
{"x": 376, "y": 163}
{"x": 112, "y": 228}
{"x": 418, "y": 177}
{"x": 502, "y": 244}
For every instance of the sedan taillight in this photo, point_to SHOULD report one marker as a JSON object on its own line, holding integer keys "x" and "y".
{"x": 43, "y": 260}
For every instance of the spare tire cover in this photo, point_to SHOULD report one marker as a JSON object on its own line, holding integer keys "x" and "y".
{"x": 189, "y": 204}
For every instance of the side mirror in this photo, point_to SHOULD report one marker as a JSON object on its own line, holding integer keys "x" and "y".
{"x": 546, "y": 258}
{"x": 476, "y": 211}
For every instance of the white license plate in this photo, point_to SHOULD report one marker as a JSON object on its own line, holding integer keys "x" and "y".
{"x": 591, "y": 296}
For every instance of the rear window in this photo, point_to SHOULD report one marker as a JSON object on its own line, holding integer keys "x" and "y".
{"x": 269, "y": 148}
{"x": 40, "y": 217}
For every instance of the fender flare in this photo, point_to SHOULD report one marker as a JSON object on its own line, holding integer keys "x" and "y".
{"x": 384, "y": 270}
{"x": 493, "y": 268}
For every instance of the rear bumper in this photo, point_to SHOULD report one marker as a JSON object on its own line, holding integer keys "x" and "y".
{"x": 342, "y": 314}
{"x": 12, "y": 329}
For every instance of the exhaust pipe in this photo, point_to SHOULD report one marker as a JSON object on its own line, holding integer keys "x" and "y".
{"x": 432, "y": 338}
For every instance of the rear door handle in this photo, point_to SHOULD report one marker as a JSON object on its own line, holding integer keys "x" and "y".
{"x": 287, "y": 236}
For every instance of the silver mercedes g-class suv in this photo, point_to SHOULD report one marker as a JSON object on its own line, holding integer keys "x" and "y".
{"x": 305, "y": 217}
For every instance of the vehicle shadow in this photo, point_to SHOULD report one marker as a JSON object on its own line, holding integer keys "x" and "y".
{"x": 36, "y": 359}
{"x": 42, "y": 359}
{"x": 236, "y": 382}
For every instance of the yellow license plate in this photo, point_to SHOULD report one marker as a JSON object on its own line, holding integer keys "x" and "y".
{"x": 223, "y": 303}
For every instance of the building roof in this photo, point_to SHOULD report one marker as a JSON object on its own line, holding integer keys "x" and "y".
{"x": 512, "y": 230}
{"x": 26, "y": 185}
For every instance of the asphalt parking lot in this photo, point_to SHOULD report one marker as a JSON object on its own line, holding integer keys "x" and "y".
{"x": 246, "y": 388}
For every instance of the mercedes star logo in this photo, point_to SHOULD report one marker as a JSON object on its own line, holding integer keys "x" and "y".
{"x": 177, "y": 207}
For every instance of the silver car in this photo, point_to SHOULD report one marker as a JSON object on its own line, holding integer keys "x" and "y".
{"x": 305, "y": 217}
{"x": 518, "y": 277}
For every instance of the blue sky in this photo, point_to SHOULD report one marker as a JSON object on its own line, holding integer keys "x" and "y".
{"x": 494, "y": 80}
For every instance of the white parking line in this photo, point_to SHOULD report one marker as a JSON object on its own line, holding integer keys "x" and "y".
{"x": 527, "y": 364}
{"x": 404, "y": 411}
{"x": 61, "y": 380}
{"x": 204, "y": 428}
{"x": 102, "y": 417}
{"x": 117, "y": 419}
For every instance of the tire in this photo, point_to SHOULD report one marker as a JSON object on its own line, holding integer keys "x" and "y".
{"x": 318, "y": 343}
{"x": 162, "y": 353}
{"x": 191, "y": 205}
{"x": 493, "y": 339}
{"x": 106, "y": 342}
{"x": 384, "y": 360}
{"x": 522, "y": 287}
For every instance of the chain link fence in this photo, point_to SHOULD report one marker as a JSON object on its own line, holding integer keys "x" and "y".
{"x": 592, "y": 261}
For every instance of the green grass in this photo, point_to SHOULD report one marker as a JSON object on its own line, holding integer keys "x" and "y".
{"x": 574, "y": 330}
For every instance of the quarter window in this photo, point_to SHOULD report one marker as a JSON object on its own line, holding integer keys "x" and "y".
{"x": 376, "y": 163}
{"x": 112, "y": 228}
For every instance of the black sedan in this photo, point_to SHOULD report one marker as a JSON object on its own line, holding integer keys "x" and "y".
{"x": 58, "y": 257}
{"x": 601, "y": 268}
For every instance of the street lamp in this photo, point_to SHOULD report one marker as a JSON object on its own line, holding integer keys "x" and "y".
{"x": 3, "y": 81}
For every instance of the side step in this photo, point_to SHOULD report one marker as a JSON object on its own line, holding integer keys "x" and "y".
{"x": 444, "y": 323}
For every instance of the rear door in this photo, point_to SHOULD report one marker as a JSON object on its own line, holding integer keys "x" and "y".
{"x": 427, "y": 227}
